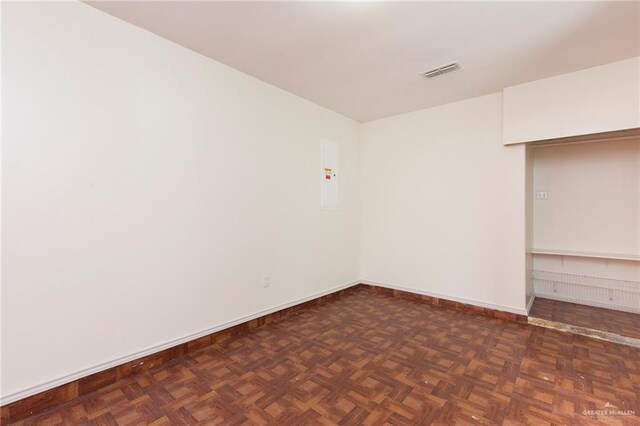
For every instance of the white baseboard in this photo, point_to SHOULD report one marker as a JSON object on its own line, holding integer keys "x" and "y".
{"x": 530, "y": 303}
{"x": 16, "y": 396}
{"x": 447, "y": 297}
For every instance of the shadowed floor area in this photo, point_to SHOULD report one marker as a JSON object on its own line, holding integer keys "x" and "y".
{"x": 623, "y": 323}
{"x": 370, "y": 358}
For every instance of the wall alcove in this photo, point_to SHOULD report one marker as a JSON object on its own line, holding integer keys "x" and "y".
{"x": 583, "y": 223}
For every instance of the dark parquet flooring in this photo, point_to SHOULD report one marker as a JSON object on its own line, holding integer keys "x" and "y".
{"x": 369, "y": 358}
{"x": 623, "y": 323}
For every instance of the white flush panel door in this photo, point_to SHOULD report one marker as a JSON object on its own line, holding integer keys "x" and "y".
{"x": 329, "y": 174}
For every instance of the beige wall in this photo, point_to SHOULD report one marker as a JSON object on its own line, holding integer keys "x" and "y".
{"x": 594, "y": 100}
{"x": 443, "y": 204}
{"x": 147, "y": 191}
{"x": 594, "y": 197}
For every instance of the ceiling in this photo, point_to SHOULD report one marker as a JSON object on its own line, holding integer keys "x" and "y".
{"x": 364, "y": 59}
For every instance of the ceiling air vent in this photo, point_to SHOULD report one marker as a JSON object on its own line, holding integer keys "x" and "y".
{"x": 454, "y": 66}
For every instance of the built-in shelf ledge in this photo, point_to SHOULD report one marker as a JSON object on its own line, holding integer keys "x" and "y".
{"x": 595, "y": 255}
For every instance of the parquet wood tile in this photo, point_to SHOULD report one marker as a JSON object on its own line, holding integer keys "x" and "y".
{"x": 371, "y": 358}
{"x": 623, "y": 323}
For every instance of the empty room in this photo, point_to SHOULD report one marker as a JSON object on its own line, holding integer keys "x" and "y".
{"x": 320, "y": 212}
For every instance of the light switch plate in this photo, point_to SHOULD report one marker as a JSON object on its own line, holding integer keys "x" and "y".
{"x": 542, "y": 195}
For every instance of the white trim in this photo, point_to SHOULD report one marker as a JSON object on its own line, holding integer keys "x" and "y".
{"x": 530, "y": 303}
{"x": 444, "y": 296}
{"x": 7, "y": 399}
{"x": 552, "y": 142}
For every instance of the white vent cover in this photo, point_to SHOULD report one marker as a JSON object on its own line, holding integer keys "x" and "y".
{"x": 454, "y": 66}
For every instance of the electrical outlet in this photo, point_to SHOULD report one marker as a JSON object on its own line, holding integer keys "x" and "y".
{"x": 542, "y": 195}
{"x": 267, "y": 281}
